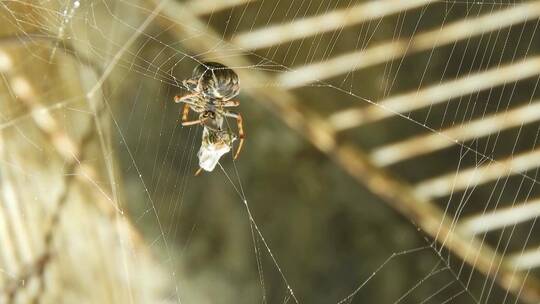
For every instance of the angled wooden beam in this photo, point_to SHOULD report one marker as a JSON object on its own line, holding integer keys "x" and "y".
{"x": 500, "y": 218}
{"x": 430, "y": 142}
{"x": 398, "y": 195}
{"x": 386, "y": 51}
{"x": 435, "y": 94}
{"x": 471, "y": 177}
{"x": 330, "y": 21}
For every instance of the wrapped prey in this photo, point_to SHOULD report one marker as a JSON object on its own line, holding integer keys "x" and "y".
{"x": 215, "y": 143}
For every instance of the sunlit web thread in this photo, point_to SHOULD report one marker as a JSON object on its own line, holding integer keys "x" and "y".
{"x": 434, "y": 271}
{"x": 67, "y": 15}
{"x": 132, "y": 158}
{"x": 438, "y": 291}
{"x": 93, "y": 90}
{"x": 255, "y": 239}
{"x": 259, "y": 233}
{"x": 187, "y": 157}
{"x": 377, "y": 270}
{"x": 252, "y": 227}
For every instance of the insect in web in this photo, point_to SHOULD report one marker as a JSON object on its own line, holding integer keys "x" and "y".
{"x": 212, "y": 88}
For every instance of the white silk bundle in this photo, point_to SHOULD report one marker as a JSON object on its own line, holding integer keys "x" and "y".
{"x": 215, "y": 144}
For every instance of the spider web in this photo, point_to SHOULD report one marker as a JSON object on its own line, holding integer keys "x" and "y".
{"x": 283, "y": 223}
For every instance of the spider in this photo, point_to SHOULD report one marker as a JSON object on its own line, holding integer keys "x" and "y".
{"x": 212, "y": 88}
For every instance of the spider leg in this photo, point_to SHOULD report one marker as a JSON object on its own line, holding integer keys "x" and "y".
{"x": 186, "y": 122}
{"x": 185, "y": 113}
{"x": 194, "y": 122}
{"x": 241, "y": 134}
{"x": 185, "y": 98}
{"x": 230, "y": 103}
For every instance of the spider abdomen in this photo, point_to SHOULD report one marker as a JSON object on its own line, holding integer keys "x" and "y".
{"x": 216, "y": 81}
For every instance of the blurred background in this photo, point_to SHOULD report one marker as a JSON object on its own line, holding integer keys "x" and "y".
{"x": 390, "y": 153}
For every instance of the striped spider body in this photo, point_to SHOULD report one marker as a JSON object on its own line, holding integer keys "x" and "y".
{"x": 212, "y": 89}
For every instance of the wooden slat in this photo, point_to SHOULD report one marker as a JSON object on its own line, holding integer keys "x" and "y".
{"x": 314, "y": 25}
{"x": 359, "y": 59}
{"x": 205, "y": 7}
{"x": 432, "y": 95}
{"x": 524, "y": 260}
{"x": 472, "y": 177}
{"x": 427, "y": 143}
{"x": 500, "y": 218}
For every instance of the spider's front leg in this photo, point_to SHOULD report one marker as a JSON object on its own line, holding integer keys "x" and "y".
{"x": 188, "y": 102}
{"x": 241, "y": 134}
{"x": 184, "y": 98}
{"x": 185, "y": 114}
{"x": 230, "y": 103}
